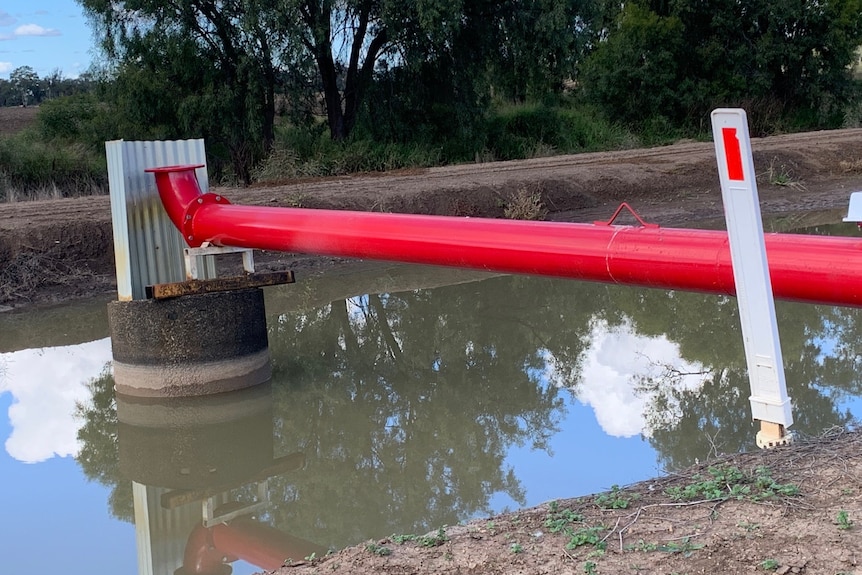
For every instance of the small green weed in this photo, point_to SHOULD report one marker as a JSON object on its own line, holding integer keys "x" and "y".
{"x": 843, "y": 520}
{"x": 559, "y": 521}
{"x": 586, "y": 536}
{"x": 642, "y": 545}
{"x": 769, "y": 487}
{"x": 516, "y": 548}
{"x": 616, "y": 498}
{"x": 769, "y": 564}
{"x": 380, "y": 550}
{"x": 684, "y": 547}
{"x": 563, "y": 520}
{"x": 590, "y": 568}
{"x": 435, "y": 540}
{"x": 728, "y": 482}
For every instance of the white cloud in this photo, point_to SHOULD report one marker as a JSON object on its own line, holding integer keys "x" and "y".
{"x": 46, "y": 384}
{"x": 5, "y": 67}
{"x": 614, "y": 359}
{"x": 35, "y": 30}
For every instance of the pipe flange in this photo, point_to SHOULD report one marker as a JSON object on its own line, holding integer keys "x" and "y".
{"x": 189, "y": 216}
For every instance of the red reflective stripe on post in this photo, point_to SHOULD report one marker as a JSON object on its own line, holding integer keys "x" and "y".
{"x": 733, "y": 154}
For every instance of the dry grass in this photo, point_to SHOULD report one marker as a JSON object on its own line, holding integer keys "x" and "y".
{"x": 32, "y": 269}
{"x": 524, "y": 204}
{"x": 848, "y": 167}
{"x": 15, "y": 119}
{"x": 780, "y": 174}
{"x": 11, "y": 193}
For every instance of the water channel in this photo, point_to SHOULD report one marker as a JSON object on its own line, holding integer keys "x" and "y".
{"x": 403, "y": 399}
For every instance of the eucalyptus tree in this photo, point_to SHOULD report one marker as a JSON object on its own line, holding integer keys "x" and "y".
{"x": 338, "y": 49}
{"x": 782, "y": 60}
{"x": 7, "y": 93}
{"x": 345, "y": 39}
{"x": 351, "y": 39}
{"x": 215, "y": 61}
{"x": 25, "y": 80}
{"x": 541, "y": 44}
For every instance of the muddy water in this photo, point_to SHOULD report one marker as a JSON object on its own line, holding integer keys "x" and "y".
{"x": 403, "y": 399}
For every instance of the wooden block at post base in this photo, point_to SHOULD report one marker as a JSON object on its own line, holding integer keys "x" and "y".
{"x": 772, "y": 435}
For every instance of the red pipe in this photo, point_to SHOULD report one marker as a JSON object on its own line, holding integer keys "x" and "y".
{"x": 814, "y": 269}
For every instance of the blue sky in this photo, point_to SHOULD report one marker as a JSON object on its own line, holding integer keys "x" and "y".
{"x": 45, "y": 35}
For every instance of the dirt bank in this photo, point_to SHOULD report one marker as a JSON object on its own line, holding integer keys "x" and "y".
{"x": 53, "y": 251}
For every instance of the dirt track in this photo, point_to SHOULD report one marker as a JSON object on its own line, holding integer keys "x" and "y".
{"x": 60, "y": 249}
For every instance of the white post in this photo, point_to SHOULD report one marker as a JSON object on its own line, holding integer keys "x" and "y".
{"x": 769, "y": 401}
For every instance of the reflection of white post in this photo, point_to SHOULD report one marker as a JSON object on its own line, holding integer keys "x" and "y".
{"x": 769, "y": 401}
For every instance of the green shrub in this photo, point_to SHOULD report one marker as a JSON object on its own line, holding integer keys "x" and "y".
{"x": 33, "y": 166}
{"x": 531, "y": 130}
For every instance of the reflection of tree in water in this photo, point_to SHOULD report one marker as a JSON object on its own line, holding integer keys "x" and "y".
{"x": 717, "y": 416}
{"x": 99, "y": 455}
{"x": 406, "y": 404}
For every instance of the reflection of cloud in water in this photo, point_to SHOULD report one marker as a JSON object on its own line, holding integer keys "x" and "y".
{"x": 613, "y": 363}
{"x": 45, "y": 385}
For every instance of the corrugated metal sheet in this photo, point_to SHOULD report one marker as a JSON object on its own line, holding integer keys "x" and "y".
{"x": 161, "y": 534}
{"x": 148, "y": 248}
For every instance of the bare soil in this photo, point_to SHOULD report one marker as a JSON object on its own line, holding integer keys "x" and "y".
{"x": 54, "y": 251}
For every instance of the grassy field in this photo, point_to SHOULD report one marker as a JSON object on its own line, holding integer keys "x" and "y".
{"x": 14, "y": 119}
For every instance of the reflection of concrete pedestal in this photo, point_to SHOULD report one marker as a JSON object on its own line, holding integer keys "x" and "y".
{"x": 196, "y": 443}
{"x": 193, "y": 345}
{"x": 200, "y": 468}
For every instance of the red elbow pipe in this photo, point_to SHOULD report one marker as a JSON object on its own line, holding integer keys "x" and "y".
{"x": 812, "y": 269}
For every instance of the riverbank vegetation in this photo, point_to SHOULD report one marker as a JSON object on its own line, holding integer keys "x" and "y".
{"x": 308, "y": 89}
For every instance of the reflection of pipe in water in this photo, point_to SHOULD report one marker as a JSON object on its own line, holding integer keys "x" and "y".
{"x": 209, "y": 549}
{"x": 803, "y": 268}
{"x": 186, "y": 458}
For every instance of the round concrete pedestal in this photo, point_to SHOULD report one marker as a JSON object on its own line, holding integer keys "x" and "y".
{"x": 189, "y": 346}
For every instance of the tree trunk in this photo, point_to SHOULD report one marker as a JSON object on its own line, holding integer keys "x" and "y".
{"x": 358, "y": 78}
{"x": 331, "y": 95}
